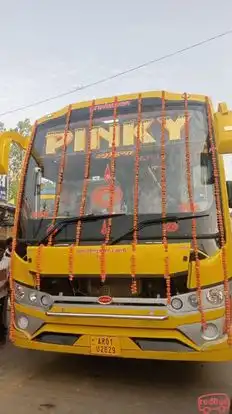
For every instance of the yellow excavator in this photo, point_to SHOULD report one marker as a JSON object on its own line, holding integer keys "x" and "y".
{"x": 7, "y": 207}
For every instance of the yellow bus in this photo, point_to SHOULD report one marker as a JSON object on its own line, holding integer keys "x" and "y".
{"x": 133, "y": 257}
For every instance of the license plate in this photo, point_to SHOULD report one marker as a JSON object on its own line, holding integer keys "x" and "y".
{"x": 105, "y": 345}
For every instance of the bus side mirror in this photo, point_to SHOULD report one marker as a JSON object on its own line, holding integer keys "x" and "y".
{"x": 223, "y": 126}
{"x": 6, "y": 138}
{"x": 229, "y": 192}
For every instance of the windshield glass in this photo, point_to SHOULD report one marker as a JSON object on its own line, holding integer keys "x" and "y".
{"x": 41, "y": 187}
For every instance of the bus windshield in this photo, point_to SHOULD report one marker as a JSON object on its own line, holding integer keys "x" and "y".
{"x": 48, "y": 143}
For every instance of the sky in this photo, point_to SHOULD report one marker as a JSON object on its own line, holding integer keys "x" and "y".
{"x": 51, "y": 46}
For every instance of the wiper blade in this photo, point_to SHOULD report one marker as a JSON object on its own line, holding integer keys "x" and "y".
{"x": 160, "y": 220}
{"x": 71, "y": 220}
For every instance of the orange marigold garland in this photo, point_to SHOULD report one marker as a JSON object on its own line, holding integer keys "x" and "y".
{"x": 57, "y": 199}
{"x": 220, "y": 222}
{"x": 193, "y": 210}
{"x": 136, "y": 199}
{"x": 15, "y": 229}
{"x": 84, "y": 194}
{"x": 164, "y": 199}
{"x": 112, "y": 194}
{"x": 61, "y": 172}
{"x": 38, "y": 265}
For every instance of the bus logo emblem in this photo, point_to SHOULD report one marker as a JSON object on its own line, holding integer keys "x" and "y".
{"x": 105, "y": 300}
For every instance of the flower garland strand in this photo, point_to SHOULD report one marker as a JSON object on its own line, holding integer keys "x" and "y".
{"x": 220, "y": 222}
{"x": 15, "y": 228}
{"x": 38, "y": 265}
{"x": 164, "y": 199}
{"x": 112, "y": 196}
{"x": 136, "y": 199}
{"x": 193, "y": 210}
{"x": 57, "y": 199}
{"x": 83, "y": 195}
{"x": 61, "y": 172}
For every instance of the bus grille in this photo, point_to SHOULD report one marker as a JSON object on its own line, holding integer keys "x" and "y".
{"x": 148, "y": 286}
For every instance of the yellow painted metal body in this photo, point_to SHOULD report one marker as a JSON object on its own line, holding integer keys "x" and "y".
{"x": 216, "y": 353}
{"x": 55, "y": 259}
{"x": 149, "y": 260}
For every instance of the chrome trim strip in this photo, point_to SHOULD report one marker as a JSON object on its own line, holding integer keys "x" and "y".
{"x": 95, "y": 307}
{"x": 108, "y": 316}
{"x": 117, "y": 300}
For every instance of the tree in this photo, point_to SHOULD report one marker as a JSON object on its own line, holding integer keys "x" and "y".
{"x": 16, "y": 158}
{"x": 24, "y": 127}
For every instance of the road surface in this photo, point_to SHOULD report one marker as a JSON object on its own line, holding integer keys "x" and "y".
{"x": 33, "y": 382}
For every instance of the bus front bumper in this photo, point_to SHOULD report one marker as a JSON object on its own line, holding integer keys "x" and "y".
{"x": 170, "y": 339}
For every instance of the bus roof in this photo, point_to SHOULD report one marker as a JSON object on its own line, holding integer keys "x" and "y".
{"x": 122, "y": 98}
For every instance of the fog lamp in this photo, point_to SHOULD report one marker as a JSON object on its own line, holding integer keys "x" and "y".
{"x": 23, "y": 322}
{"x": 210, "y": 333}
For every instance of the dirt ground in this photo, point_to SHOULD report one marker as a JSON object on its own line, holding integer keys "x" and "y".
{"x": 36, "y": 382}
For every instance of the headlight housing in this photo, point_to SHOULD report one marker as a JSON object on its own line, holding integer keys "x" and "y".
{"x": 211, "y": 298}
{"x": 32, "y": 297}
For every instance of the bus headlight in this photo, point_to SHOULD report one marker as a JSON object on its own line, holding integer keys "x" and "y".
{"x": 193, "y": 300}
{"x": 45, "y": 301}
{"x": 215, "y": 296}
{"x": 33, "y": 297}
{"x": 19, "y": 292}
{"x": 177, "y": 303}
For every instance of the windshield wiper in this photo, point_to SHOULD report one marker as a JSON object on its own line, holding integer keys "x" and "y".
{"x": 71, "y": 220}
{"x": 160, "y": 220}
